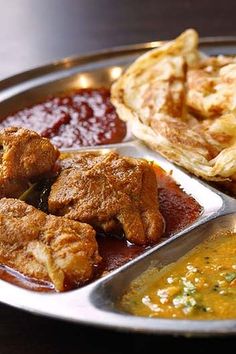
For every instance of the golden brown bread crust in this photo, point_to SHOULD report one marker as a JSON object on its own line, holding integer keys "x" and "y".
{"x": 183, "y": 105}
{"x": 46, "y": 247}
{"x": 210, "y": 87}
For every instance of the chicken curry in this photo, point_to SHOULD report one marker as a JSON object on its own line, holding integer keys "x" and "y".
{"x": 63, "y": 239}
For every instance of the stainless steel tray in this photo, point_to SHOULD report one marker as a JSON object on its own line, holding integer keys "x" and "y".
{"x": 96, "y": 304}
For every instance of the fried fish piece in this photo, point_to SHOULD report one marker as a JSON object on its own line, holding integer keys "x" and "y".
{"x": 24, "y": 154}
{"x": 109, "y": 192}
{"x": 182, "y": 105}
{"x": 46, "y": 247}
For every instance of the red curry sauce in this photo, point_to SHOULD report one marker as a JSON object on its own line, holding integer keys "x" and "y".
{"x": 85, "y": 117}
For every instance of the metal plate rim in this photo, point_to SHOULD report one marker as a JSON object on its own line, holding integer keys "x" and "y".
{"x": 71, "y": 61}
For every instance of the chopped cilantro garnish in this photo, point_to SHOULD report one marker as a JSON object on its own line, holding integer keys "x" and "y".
{"x": 230, "y": 276}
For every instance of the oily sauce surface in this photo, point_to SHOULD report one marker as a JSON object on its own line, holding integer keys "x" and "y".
{"x": 85, "y": 117}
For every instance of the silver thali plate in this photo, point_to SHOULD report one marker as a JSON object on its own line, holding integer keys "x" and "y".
{"x": 97, "y": 303}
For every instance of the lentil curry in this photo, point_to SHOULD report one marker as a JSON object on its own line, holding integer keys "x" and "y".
{"x": 201, "y": 285}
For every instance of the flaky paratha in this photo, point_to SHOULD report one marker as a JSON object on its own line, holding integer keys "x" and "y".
{"x": 183, "y": 105}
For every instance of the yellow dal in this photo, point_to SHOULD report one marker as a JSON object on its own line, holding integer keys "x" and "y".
{"x": 201, "y": 285}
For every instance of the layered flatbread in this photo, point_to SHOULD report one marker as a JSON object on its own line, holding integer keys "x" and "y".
{"x": 183, "y": 104}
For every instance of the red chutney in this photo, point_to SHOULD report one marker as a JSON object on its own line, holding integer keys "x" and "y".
{"x": 84, "y": 117}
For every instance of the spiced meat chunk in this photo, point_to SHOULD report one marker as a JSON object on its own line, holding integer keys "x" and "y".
{"x": 109, "y": 192}
{"x": 46, "y": 247}
{"x": 11, "y": 188}
{"x": 24, "y": 154}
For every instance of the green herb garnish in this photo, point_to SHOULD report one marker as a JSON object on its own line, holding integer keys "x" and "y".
{"x": 230, "y": 277}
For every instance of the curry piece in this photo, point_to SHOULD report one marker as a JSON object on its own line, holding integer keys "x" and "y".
{"x": 46, "y": 247}
{"x": 24, "y": 154}
{"x": 201, "y": 285}
{"x": 109, "y": 192}
{"x": 12, "y": 188}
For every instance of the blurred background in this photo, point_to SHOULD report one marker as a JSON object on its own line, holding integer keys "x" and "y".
{"x": 34, "y": 32}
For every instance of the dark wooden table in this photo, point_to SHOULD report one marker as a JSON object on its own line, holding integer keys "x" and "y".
{"x": 35, "y": 32}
